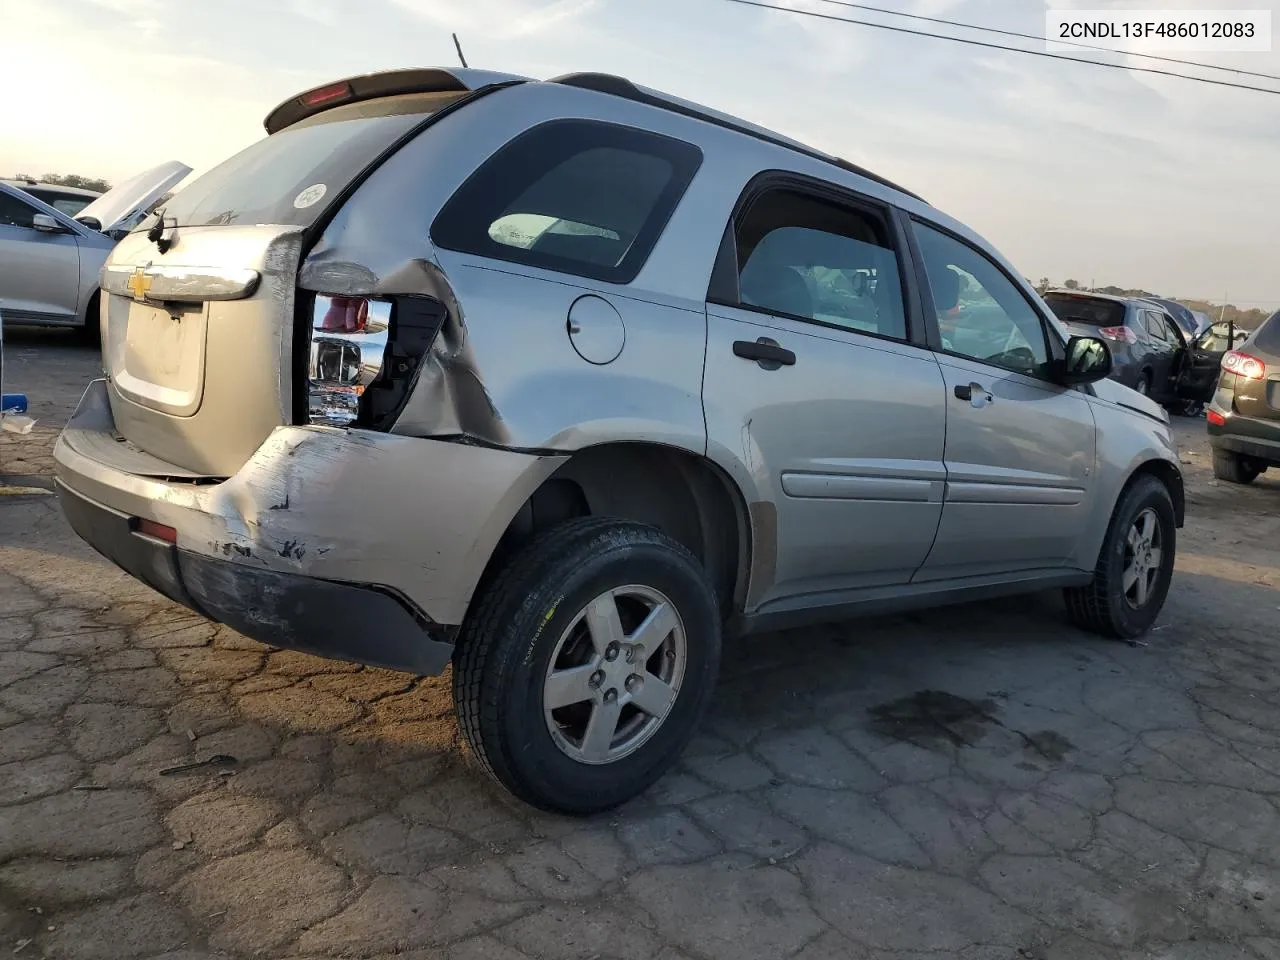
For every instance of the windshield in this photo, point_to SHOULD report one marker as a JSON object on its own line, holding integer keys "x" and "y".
{"x": 283, "y": 178}
{"x": 68, "y": 203}
{"x": 1086, "y": 310}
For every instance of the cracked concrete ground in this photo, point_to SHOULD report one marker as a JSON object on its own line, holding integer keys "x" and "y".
{"x": 979, "y": 783}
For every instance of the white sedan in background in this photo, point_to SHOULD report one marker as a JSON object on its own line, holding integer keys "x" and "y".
{"x": 50, "y": 262}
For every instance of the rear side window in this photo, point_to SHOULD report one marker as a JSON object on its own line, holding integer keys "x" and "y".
{"x": 575, "y": 196}
{"x": 803, "y": 256}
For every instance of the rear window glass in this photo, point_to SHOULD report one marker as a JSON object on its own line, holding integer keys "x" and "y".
{"x": 576, "y": 196}
{"x": 290, "y": 177}
{"x": 1267, "y": 336}
{"x": 1095, "y": 313}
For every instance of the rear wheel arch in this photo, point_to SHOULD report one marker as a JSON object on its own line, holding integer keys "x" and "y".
{"x": 684, "y": 495}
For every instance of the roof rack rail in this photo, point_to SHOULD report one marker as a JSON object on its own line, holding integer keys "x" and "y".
{"x": 622, "y": 87}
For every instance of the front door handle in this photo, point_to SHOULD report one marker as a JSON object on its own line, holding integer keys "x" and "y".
{"x": 977, "y": 395}
{"x": 768, "y": 353}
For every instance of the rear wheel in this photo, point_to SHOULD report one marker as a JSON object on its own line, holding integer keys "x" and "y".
{"x": 1135, "y": 565}
{"x": 1143, "y": 386}
{"x": 588, "y": 662}
{"x": 1233, "y": 468}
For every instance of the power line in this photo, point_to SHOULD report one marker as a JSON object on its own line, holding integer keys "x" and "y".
{"x": 1032, "y": 36}
{"x": 997, "y": 46}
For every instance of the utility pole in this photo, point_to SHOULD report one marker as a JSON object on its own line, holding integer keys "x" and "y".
{"x": 458, "y": 46}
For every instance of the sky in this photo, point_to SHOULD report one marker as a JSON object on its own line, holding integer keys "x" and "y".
{"x": 1100, "y": 175}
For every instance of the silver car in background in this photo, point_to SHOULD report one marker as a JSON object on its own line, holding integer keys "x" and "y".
{"x": 50, "y": 262}
{"x": 559, "y": 382}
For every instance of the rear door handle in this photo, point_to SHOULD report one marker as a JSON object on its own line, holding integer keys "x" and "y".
{"x": 975, "y": 393}
{"x": 768, "y": 353}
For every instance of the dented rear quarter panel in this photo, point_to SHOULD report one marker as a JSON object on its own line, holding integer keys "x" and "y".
{"x": 416, "y": 515}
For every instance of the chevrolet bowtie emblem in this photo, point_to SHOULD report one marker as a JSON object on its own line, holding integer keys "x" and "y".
{"x": 139, "y": 284}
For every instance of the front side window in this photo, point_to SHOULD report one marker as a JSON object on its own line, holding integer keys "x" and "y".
{"x": 576, "y": 196}
{"x": 15, "y": 213}
{"x": 806, "y": 257}
{"x": 981, "y": 314}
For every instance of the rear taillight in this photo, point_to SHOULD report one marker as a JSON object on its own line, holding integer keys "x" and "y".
{"x": 1214, "y": 417}
{"x": 1243, "y": 365}
{"x": 348, "y": 347}
{"x": 363, "y": 356}
{"x": 1119, "y": 334}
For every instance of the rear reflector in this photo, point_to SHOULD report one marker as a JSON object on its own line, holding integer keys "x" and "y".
{"x": 1243, "y": 365}
{"x": 326, "y": 94}
{"x": 1217, "y": 419}
{"x": 1119, "y": 333}
{"x": 149, "y": 528}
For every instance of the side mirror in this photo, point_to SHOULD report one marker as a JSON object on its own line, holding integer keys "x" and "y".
{"x": 46, "y": 224}
{"x": 1088, "y": 360}
{"x": 93, "y": 223}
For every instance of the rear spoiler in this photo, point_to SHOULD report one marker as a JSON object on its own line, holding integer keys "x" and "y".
{"x": 387, "y": 83}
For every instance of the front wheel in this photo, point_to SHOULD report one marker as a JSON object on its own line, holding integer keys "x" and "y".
{"x": 1135, "y": 565}
{"x": 587, "y": 664}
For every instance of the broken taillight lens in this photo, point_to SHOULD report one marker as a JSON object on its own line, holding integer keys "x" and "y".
{"x": 1119, "y": 334}
{"x": 1243, "y": 365}
{"x": 348, "y": 348}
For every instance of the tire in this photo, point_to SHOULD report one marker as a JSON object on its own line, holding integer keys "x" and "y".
{"x": 1143, "y": 386}
{"x": 1106, "y": 606}
{"x": 91, "y": 331}
{"x": 536, "y": 607}
{"x": 1233, "y": 468}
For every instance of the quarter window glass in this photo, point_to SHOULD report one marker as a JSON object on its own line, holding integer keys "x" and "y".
{"x": 15, "y": 213}
{"x": 576, "y": 196}
{"x": 1268, "y": 336}
{"x": 981, "y": 314}
{"x": 809, "y": 258}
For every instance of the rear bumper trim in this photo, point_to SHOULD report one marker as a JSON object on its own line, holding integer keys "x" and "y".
{"x": 359, "y": 622}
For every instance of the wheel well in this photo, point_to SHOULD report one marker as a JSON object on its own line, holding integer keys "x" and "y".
{"x": 1171, "y": 477}
{"x": 92, "y": 316}
{"x": 684, "y": 495}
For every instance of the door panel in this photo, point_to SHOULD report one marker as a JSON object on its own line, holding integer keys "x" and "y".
{"x": 1200, "y": 376}
{"x": 39, "y": 272}
{"x": 1018, "y": 474}
{"x": 1019, "y": 450}
{"x": 847, "y": 442}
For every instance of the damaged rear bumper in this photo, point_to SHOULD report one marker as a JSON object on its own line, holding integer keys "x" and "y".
{"x": 341, "y": 620}
{"x": 343, "y": 543}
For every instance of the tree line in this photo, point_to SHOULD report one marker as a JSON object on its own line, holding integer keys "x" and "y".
{"x": 96, "y": 184}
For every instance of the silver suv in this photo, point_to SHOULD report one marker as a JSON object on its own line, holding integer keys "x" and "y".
{"x": 561, "y": 381}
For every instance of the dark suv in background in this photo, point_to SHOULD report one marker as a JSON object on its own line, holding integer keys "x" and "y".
{"x": 1244, "y": 415}
{"x": 1149, "y": 350}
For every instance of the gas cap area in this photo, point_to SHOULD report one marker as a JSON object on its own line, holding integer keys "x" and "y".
{"x": 595, "y": 329}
